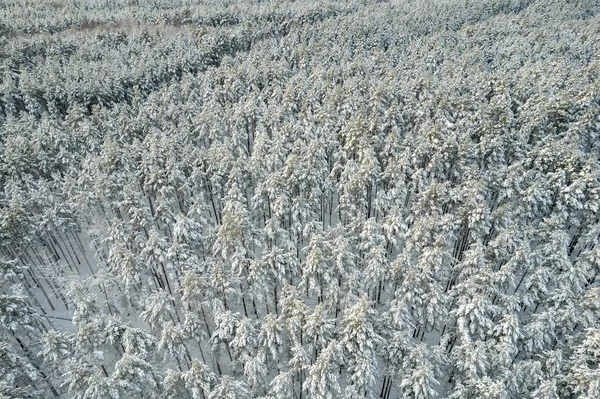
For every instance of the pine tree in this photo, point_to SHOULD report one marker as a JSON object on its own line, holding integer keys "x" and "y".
{"x": 136, "y": 378}
{"x": 583, "y": 376}
{"x": 322, "y": 381}
{"x": 199, "y": 379}
{"x": 229, "y": 389}
{"x": 255, "y": 371}
{"x": 359, "y": 341}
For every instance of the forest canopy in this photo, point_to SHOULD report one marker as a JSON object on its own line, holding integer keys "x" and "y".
{"x": 299, "y": 199}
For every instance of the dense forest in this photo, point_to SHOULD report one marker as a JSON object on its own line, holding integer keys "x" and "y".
{"x": 208, "y": 199}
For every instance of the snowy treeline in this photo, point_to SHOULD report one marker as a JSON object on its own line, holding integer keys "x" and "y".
{"x": 299, "y": 199}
